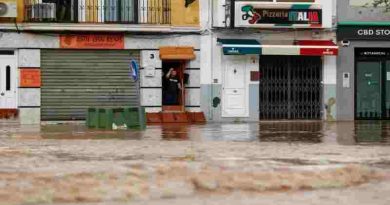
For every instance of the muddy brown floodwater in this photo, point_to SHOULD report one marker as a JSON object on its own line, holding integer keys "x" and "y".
{"x": 304, "y": 162}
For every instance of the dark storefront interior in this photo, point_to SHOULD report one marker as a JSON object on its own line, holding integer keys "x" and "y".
{"x": 290, "y": 87}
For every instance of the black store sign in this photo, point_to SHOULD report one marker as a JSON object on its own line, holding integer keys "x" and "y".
{"x": 363, "y": 33}
{"x": 372, "y": 52}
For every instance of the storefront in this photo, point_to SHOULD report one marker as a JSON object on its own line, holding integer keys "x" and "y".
{"x": 57, "y": 77}
{"x": 87, "y": 71}
{"x": 289, "y": 77}
{"x": 73, "y": 80}
{"x": 364, "y": 79}
{"x": 278, "y": 61}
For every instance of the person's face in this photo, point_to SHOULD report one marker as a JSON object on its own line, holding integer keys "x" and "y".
{"x": 174, "y": 73}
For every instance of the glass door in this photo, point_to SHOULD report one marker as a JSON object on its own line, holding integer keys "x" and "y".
{"x": 387, "y": 91}
{"x": 369, "y": 90}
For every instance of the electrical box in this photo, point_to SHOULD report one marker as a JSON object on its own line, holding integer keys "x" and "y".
{"x": 8, "y": 9}
{"x": 150, "y": 71}
{"x": 346, "y": 80}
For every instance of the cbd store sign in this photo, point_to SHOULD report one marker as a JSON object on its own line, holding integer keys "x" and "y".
{"x": 254, "y": 14}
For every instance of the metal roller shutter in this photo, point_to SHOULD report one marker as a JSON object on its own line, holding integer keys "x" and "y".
{"x": 73, "y": 80}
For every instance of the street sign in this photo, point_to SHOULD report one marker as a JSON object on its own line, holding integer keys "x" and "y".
{"x": 134, "y": 70}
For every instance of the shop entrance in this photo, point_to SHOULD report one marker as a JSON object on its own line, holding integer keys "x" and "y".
{"x": 290, "y": 87}
{"x": 173, "y": 89}
{"x": 372, "y": 84}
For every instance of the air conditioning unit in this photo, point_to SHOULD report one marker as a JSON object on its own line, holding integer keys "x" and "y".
{"x": 8, "y": 9}
{"x": 43, "y": 11}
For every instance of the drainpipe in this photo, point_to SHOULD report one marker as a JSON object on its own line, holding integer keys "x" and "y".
{"x": 211, "y": 60}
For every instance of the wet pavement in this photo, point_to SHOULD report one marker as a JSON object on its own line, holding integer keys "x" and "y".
{"x": 246, "y": 163}
{"x": 342, "y": 133}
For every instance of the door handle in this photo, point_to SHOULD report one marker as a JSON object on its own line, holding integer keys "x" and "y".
{"x": 2, "y": 94}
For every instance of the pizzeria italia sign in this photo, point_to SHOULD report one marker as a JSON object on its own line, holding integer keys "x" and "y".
{"x": 277, "y": 15}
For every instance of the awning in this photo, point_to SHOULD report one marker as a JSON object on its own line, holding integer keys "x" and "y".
{"x": 177, "y": 53}
{"x": 301, "y": 47}
{"x": 240, "y": 46}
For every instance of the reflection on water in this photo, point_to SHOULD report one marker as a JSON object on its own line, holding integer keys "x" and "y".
{"x": 309, "y": 132}
{"x": 368, "y": 132}
{"x": 344, "y": 133}
{"x": 79, "y": 131}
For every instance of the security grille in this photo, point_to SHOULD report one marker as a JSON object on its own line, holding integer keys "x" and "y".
{"x": 290, "y": 87}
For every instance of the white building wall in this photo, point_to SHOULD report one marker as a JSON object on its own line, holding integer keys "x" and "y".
{"x": 29, "y": 57}
{"x": 29, "y": 104}
{"x": 330, "y": 72}
{"x": 330, "y": 88}
{"x": 12, "y": 40}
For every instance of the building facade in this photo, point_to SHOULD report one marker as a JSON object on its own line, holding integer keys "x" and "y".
{"x": 58, "y": 58}
{"x": 269, "y": 60}
{"x": 363, "y": 74}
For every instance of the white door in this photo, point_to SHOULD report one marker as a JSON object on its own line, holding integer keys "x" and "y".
{"x": 234, "y": 94}
{"x": 8, "y": 84}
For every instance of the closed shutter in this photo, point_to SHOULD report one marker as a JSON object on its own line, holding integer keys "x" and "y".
{"x": 73, "y": 80}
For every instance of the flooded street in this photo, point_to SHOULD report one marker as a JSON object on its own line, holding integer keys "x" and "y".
{"x": 308, "y": 162}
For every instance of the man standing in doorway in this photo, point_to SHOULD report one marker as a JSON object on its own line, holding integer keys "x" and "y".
{"x": 173, "y": 88}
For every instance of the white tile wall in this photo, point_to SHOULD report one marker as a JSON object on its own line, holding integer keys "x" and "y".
{"x": 29, "y": 97}
{"x": 193, "y": 97}
{"x": 30, "y": 116}
{"x": 153, "y": 109}
{"x": 196, "y": 62}
{"x": 30, "y": 58}
{"x": 194, "y": 80}
{"x": 151, "y": 58}
{"x": 151, "y": 97}
{"x": 155, "y": 81}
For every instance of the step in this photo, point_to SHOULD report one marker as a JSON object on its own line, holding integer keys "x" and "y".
{"x": 197, "y": 117}
{"x": 175, "y": 117}
{"x": 8, "y": 113}
{"x": 153, "y": 118}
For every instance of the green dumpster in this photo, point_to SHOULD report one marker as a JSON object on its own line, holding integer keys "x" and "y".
{"x": 135, "y": 118}
{"x": 107, "y": 118}
{"x": 92, "y": 118}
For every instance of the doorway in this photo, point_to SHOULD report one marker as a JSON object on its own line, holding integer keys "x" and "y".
{"x": 235, "y": 92}
{"x": 372, "y": 84}
{"x": 173, "y": 85}
{"x": 8, "y": 80}
{"x": 290, "y": 87}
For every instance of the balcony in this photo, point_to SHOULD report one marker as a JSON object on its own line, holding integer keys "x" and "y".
{"x": 152, "y": 12}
